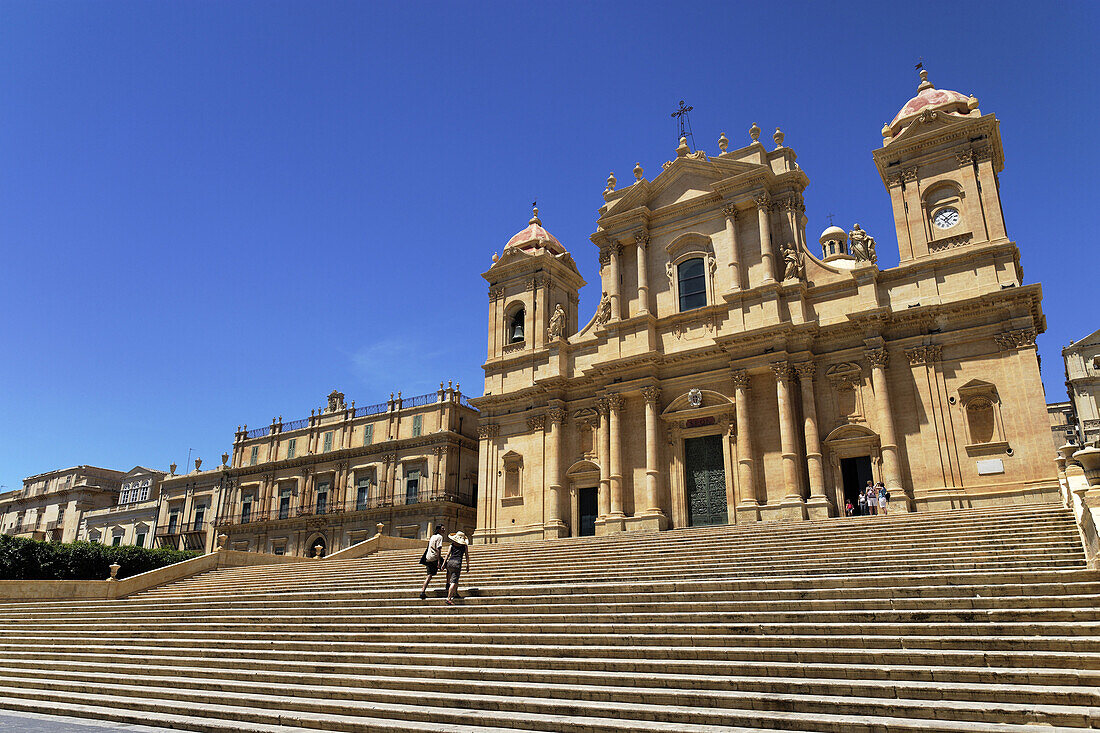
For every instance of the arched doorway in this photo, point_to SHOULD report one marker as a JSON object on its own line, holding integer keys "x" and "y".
{"x": 317, "y": 540}
{"x": 854, "y": 459}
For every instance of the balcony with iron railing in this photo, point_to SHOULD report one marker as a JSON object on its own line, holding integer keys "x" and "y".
{"x": 352, "y": 506}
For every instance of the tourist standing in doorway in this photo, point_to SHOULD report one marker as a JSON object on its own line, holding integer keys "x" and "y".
{"x": 883, "y": 498}
{"x": 848, "y": 510}
{"x": 460, "y": 548}
{"x": 869, "y": 490}
{"x": 862, "y": 501}
{"x": 431, "y": 557}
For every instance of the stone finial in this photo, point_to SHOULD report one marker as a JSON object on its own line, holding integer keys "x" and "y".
{"x": 114, "y": 570}
{"x": 723, "y": 142}
{"x": 638, "y": 171}
{"x": 683, "y": 148}
{"x": 924, "y": 83}
{"x": 198, "y": 463}
{"x": 534, "y": 216}
{"x": 754, "y": 133}
{"x": 225, "y": 459}
{"x": 972, "y": 102}
{"x": 886, "y": 129}
{"x": 610, "y": 182}
{"x": 495, "y": 257}
{"x": 778, "y": 137}
{"x": 380, "y": 526}
{"x": 221, "y": 541}
{"x": 171, "y": 469}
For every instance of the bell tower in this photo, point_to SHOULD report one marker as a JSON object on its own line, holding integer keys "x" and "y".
{"x": 939, "y": 160}
{"x": 533, "y": 296}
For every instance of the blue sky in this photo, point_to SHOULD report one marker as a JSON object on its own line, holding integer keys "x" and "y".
{"x": 212, "y": 213}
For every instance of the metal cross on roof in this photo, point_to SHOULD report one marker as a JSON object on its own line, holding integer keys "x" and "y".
{"x": 685, "y": 122}
{"x": 830, "y": 218}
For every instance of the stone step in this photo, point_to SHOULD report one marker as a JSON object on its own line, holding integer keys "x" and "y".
{"x": 557, "y": 653}
{"x": 560, "y": 684}
{"x": 530, "y": 713}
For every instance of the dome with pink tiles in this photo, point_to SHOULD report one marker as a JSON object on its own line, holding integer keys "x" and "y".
{"x": 930, "y": 98}
{"x": 535, "y": 237}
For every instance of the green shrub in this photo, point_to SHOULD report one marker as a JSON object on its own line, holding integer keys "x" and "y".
{"x": 23, "y": 559}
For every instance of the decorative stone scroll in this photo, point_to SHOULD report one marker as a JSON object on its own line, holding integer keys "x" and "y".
{"x": 927, "y": 354}
{"x": 958, "y": 240}
{"x": 1017, "y": 339}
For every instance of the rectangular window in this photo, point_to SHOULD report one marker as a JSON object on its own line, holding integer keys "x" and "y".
{"x": 246, "y": 509}
{"x": 362, "y": 494}
{"x": 139, "y": 541}
{"x": 368, "y": 434}
{"x": 322, "y": 497}
{"x": 328, "y": 441}
{"x": 173, "y": 520}
{"x": 255, "y": 455}
{"x": 412, "y": 486}
{"x": 693, "y": 284}
{"x": 290, "y": 447}
{"x": 284, "y": 503}
{"x": 117, "y": 541}
{"x": 418, "y": 424}
{"x": 200, "y": 515}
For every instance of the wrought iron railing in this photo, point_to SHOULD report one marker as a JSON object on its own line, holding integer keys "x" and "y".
{"x": 353, "y": 505}
{"x": 465, "y": 402}
{"x": 295, "y": 424}
{"x": 420, "y": 400}
{"x": 258, "y": 432}
{"x": 377, "y": 409}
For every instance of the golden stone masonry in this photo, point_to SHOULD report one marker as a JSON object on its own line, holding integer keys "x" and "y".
{"x": 736, "y": 372}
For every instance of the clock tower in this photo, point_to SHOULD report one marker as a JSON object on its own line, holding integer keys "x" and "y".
{"x": 939, "y": 159}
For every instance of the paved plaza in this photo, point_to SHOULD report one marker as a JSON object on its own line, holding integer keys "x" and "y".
{"x": 34, "y": 723}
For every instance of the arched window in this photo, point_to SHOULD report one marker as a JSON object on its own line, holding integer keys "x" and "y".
{"x": 515, "y": 326}
{"x": 979, "y": 413}
{"x": 693, "y": 284}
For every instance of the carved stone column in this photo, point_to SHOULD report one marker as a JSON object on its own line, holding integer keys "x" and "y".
{"x": 818, "y": 504}
{"x": 792, "y": 505}
{"x": 764, "y": 220}
{"x": 652, "y": 396}
{"x": 613, "y": 287}
{"x": 605, "y": 459}
{"x": 735, "y": 256}
{"x": 615, "y": 403}
{"x": 641, "y": 239}
{"x": 749, "y": 507}
{"x": 555, "y": 527}
{"x": 891, "y": 465}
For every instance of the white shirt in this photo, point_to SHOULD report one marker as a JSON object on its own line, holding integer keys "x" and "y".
{"x": 435, "y": 547}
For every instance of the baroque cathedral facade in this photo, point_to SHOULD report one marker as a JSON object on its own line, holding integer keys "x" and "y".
{"x": 735, "y": 371}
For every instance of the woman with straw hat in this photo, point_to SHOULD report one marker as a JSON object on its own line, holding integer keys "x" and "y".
{"x": 460, "y": 548}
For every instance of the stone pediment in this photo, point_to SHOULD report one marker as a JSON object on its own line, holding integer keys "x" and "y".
{"x": 931, "y": 121}
{"x": 697, "y": 402}
{"x": 686, "y": 178}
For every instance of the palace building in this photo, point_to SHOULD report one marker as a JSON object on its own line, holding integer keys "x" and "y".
{"x": 328, "y": 480}
{"x": 737, "y": 371}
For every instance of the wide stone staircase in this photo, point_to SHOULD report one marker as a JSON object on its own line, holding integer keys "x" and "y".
{"x": 962, "y": 620}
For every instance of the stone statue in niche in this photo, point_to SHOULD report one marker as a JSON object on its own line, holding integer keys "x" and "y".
{"x": 862, "y": 245}
{"x": 556, "y": 329}
{"x": 795, "y": 267}
{"x": 603, "y": 311}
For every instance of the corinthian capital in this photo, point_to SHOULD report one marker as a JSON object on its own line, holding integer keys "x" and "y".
{"x": 556, "y": 415}
{"x": 652, "y": 394}
{"x": 805, "y": 369}
{"x": 878, "y": 357}
{"x": 782, "y": 370}
{"x": 926, "y": 354}
{"x": 615, "y": 402}
{"x": 740, "y": 378}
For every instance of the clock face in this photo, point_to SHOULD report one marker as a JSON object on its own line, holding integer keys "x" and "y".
{"x": 946, "y": 218}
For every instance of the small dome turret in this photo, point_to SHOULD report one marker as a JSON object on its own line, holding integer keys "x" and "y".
{"x": 930, "y": 98}
{"x": 535, "y": 237}
{"x": 834, "y": 245}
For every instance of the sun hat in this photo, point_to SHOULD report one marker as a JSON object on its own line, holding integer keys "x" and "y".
{"x": 460, "y": 538}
